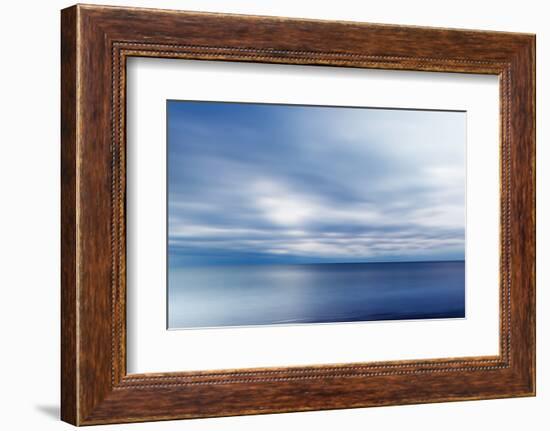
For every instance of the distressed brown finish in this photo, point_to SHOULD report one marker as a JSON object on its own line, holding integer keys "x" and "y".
{"x": 68, "y": 217}
{"x": 95, "y": 44}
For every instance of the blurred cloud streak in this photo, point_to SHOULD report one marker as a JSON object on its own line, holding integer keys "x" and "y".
{"x": 258, "y": 183}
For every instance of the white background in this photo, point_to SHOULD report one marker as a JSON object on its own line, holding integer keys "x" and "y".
{"x": 29, "y": 228}
{"x": 151, "y": 348}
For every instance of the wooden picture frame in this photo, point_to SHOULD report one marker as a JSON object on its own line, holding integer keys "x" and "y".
{"x": 95, "y": 43}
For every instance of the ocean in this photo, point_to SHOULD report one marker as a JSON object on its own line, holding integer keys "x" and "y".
{"x": 218, "y": 296}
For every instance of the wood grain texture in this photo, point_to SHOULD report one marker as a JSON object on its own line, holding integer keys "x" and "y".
{"x": 96, "y": 41}
{"x": 69, "y": 366}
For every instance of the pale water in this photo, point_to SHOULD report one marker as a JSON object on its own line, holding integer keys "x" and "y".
{"x": 217, "y": 296}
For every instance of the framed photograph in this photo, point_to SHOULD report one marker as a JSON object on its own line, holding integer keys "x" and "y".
{"x": 264, "y": 214}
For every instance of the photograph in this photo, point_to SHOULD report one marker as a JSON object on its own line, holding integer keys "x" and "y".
{"x": 282, "y": 214}
{"x": 276, "y": 209}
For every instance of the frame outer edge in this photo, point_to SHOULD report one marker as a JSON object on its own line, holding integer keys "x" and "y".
{"x": 531, "y": 79}
{"x": 523, "y": 177}
{"x": 533, "y": 53}
{"x": 530, "y": 82}
{"x": 69, "y": 202}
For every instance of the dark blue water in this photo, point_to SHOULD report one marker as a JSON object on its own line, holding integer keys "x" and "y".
{"x": 316, "y": 293}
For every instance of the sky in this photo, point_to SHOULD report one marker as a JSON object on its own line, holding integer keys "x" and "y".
{"x": 295, "y": 184}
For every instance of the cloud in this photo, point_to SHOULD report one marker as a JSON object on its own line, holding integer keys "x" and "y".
{"x": 261, "y": 183}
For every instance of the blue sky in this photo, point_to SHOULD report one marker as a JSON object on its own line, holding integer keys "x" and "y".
{"x": 260, "y": 183}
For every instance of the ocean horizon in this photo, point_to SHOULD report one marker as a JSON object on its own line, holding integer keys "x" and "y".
{"x": 309, "y": 293}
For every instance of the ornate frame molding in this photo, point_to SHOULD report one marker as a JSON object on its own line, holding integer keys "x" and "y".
{"x": 96, "y": 41}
